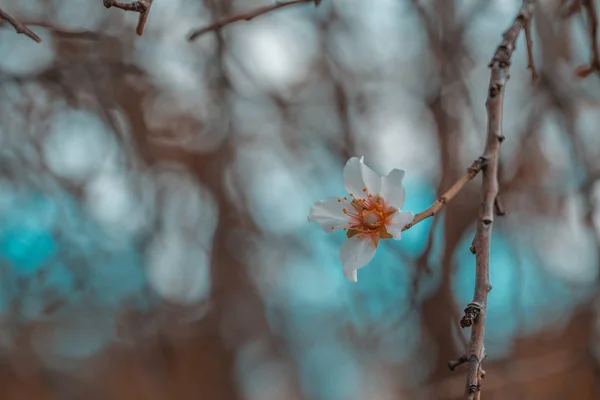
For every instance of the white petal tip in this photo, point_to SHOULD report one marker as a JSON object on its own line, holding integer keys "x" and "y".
{"x": 352, "y": 276}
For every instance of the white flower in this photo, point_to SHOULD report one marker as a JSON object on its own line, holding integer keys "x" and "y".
{"x": 371, "y": 213}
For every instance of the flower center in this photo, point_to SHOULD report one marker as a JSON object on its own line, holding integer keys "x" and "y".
{"x": 368, "y": 216}
{"x": 371, "y": 219}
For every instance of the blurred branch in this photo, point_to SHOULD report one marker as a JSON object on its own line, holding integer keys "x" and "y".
{"x": 142, "y": 7}
{"x": 529, "y": 370}
{"x": 247, "y": 16}
{"x": 530, "y": 61}
{"x": 472, "y": 171}
{"x": 455, "y": 363}
{"x": 594, "y": 66}
{"x": 19, "y": 27}
{"x": 499, "y": 206}
{"x": 475, "y": 311}
{"x": 63, "y": 34}
{"x": 572, "y": 8}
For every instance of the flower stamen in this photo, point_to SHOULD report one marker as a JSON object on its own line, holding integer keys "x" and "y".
{"x": 368, "y": 217}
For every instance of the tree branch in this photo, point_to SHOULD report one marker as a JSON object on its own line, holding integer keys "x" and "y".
{"x": 195, "y": 34}
{"x": 472, "y": 171}
{"x": 19, "y": 27}
{"x": 530, "y": 61}
{"x": 572, "y": 8}
{"x": 142, "y": 7}
{"x": 475, "y": 312}
{"x": 455, "y": 363}
{"x": 590, "y": 6}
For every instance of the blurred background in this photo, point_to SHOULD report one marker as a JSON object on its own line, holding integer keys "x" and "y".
{"x": 154, "y": 195}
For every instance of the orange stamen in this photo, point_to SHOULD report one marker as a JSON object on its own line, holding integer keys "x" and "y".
{"x": 368, "y": 217}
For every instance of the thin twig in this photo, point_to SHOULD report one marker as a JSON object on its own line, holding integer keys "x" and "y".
{"x": 455, "y": 363}
{"x": 432, "y": 210}
{"x": 530, "y": 61}
{"x": 245, "y": 17}
{"x": 499, "y": 206}
{"x": 475, "y": 312}
{"x": 19, "y": 27}
{"x": 143, "y": 17}
{"x": 142, "y": 7}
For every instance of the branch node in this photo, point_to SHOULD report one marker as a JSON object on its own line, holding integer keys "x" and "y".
{"x": 455, "y": 363}
{"x": 495, "y": 89}
{"x": 471, "y": 314}
{"x": 477, "y": 166}
{"x": 142, "y": 7}
{"x": 474, "y": 388}
{"x": 19, "y": 27}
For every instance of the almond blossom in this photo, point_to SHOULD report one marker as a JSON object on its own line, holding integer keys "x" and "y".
{"x": 371, "y": 212}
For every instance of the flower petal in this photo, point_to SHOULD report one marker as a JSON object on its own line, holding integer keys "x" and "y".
{"x": 392, "y": 190}
{"x": 357, "y": 176}
{"x": 329, "y": 214}
{"x": 399, "y": 221}
{"x": 355, "y": 253}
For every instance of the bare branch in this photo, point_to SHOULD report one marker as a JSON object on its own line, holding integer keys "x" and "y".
{"x": 472, "y": 171}
{"x": 499, "y": 206}
{"x": 455, "y": 363}
{"x": 195, "y": 34}
{"x": 142, "y": 7}
{"x": 475, "y": 312}
{"x": 530, "y": 61}
{"x": 19, "y": 27}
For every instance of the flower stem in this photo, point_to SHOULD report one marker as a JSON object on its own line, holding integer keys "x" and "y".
{"x": 432, "y": 210}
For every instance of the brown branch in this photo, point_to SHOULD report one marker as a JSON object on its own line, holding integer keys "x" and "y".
{"x": 215, "y": 26}
{"x": 432, "y": 210}
{"x": 530, "y": 61}
{"x": 19, "y": 27}
{"x": 475, "y": 312}
{"x": 455, "y": 363}
{"x": 572, "y": 8}
{"x": 499, "y": 206}
{"x": 142, "y": 7}
{"x": 594, "y": 66}
{"x": 590, "y": 6}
